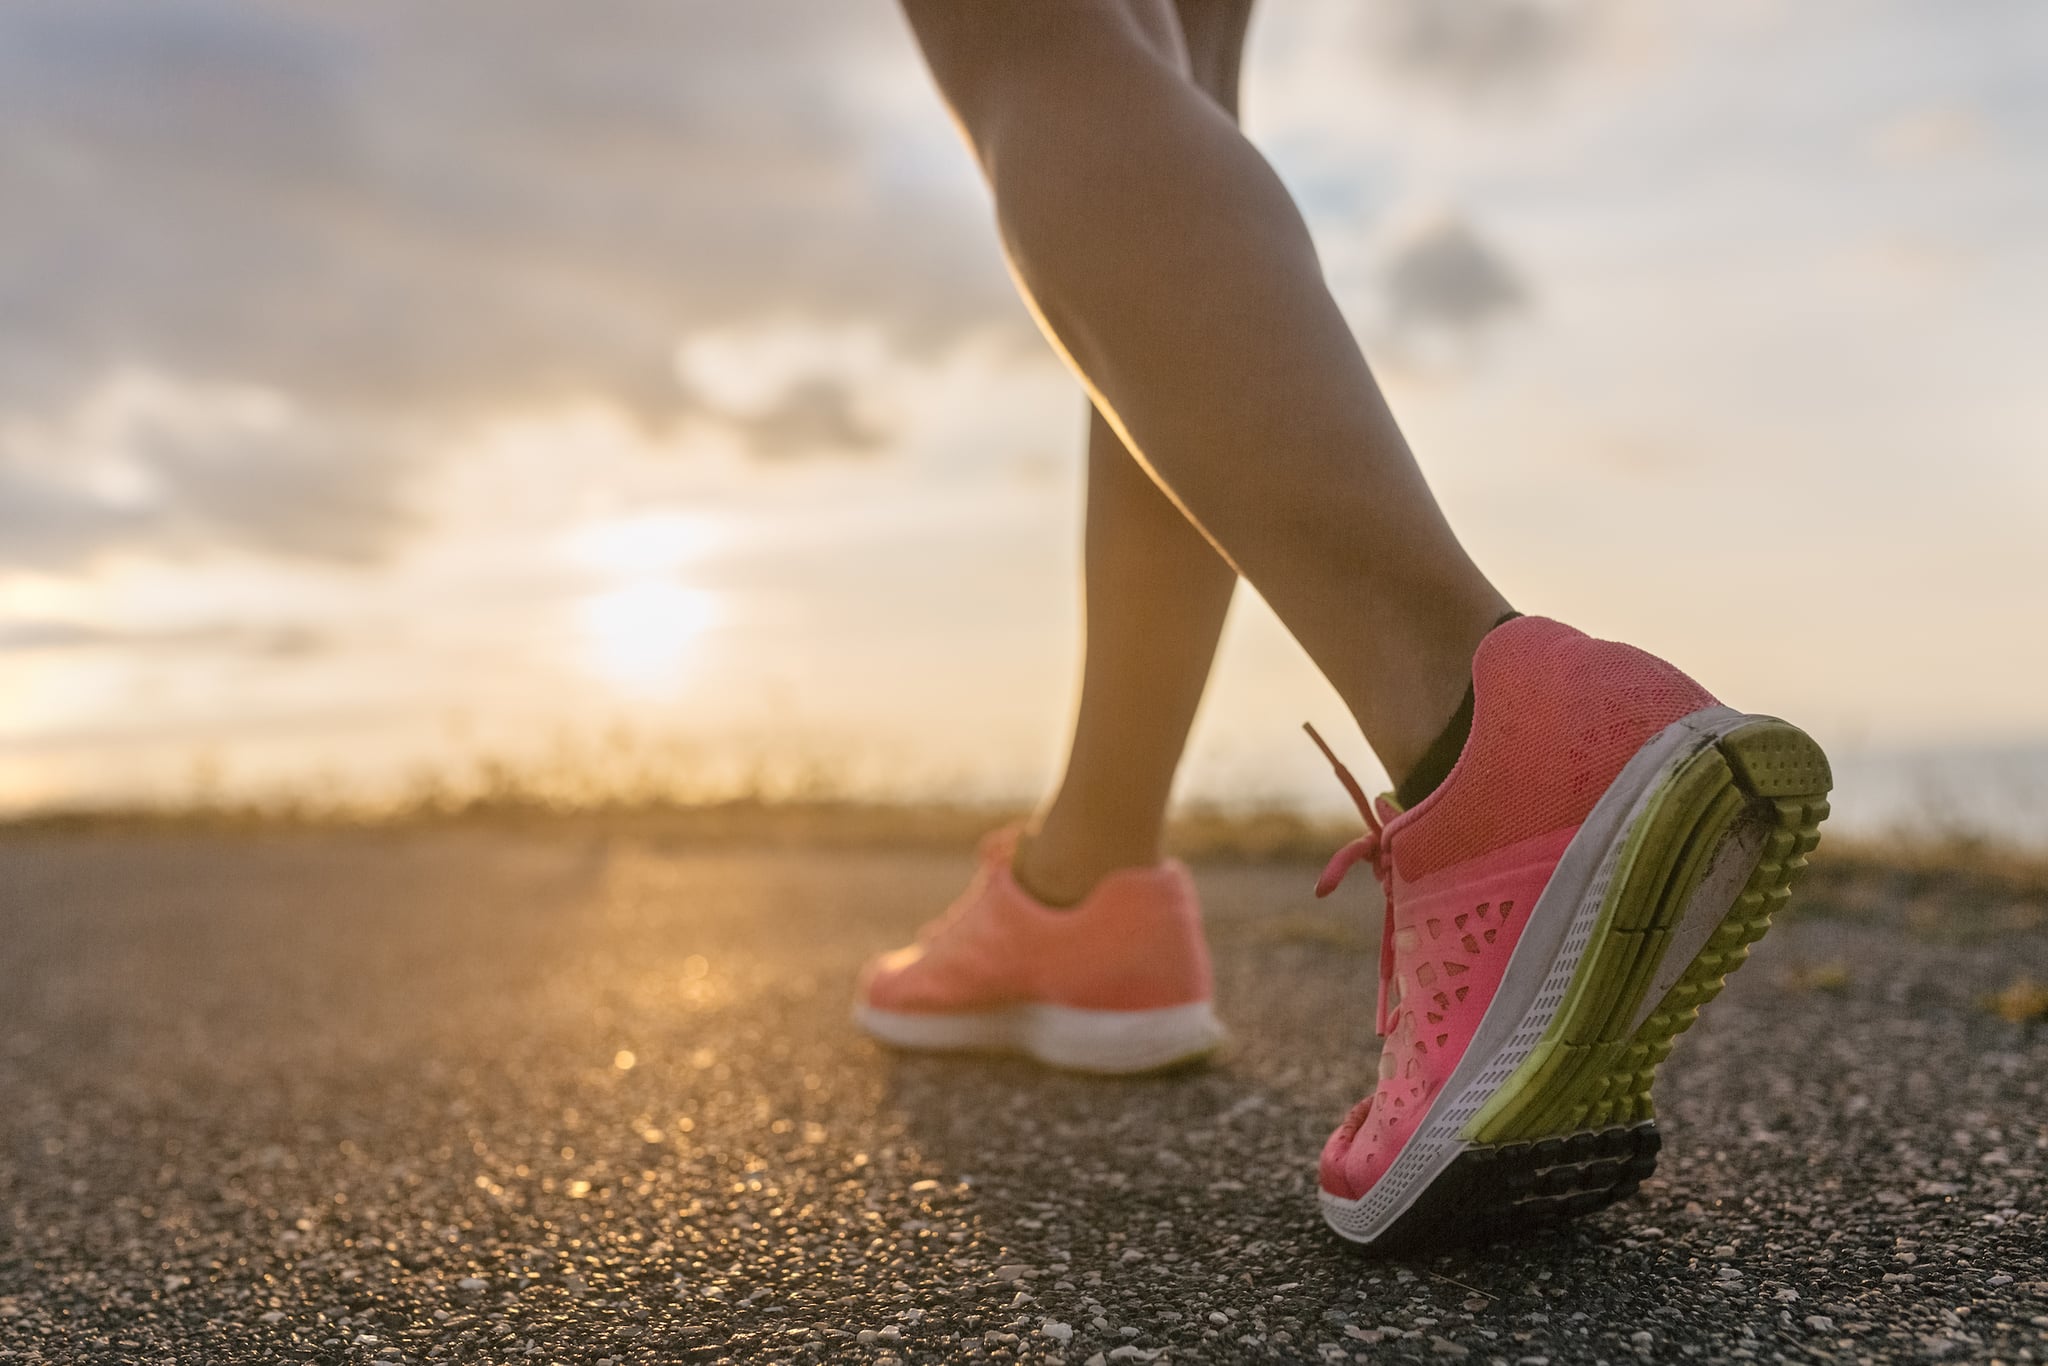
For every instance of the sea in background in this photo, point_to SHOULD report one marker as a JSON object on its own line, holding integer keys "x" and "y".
{"x": 1996, "y": 793}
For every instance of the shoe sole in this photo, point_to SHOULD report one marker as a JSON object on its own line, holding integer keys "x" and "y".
{"x": 1106, "y": 1042}
{"x": 1676, "y": 872}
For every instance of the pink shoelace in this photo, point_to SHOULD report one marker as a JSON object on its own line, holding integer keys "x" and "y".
{"x": 1367, "y": 848}
{"x": 995, "y": 847}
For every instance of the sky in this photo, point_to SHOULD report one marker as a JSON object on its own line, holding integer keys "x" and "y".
{"x": 635, "y": 388}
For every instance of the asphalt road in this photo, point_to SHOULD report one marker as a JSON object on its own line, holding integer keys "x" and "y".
{"x": 512, "y": 1097}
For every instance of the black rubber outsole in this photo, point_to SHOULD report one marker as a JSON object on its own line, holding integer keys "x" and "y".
{"x": 1509, "y": 1189}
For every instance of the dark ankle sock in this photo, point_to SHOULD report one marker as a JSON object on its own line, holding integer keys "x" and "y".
{"x": 1442, "y": 755}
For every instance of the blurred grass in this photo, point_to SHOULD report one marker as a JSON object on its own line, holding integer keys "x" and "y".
{"x": 638, "y": 786}
{"x": 1948, "y": 886}
{"x": 2024, "y": 1002}
{"x": 1202, "y": 832}
{"x": 1952, "y": 889}
{"x": 1831, "y": 976}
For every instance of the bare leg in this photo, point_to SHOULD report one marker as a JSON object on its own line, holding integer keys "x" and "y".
{"x": 1155, "y": 595}
{"x": 1166, "y": 262}
{"x": 1155, "y": 598}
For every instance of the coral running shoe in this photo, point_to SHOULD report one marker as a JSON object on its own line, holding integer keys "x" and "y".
{"x": 1117, "y": 984}
{"x": 1608, "y": 846}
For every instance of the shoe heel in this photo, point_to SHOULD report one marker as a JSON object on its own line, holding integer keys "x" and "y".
{"x": 1511, "y": 1188}
{"x": 1699, "y": 877}
{"x": 1786, "y": 778}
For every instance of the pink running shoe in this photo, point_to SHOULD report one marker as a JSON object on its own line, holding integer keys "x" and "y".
{"x": 1117, "y": 984}
{"x": 1608, "y": 846}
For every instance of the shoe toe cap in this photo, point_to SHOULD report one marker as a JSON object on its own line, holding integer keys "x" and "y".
{"x": 889, "y": 980}
{"x": 1341, "y": 1160}
{"x": 881, "y": 979}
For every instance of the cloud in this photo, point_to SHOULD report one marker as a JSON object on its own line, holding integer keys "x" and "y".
{"x": 816, "y": 415}
{"x": 1482, "y": 47}
{"x": 1443, "y": 278}
{"x": 400, "y": 218}
{"x": 1929, "y": 136}
{"x": 30, "y": 637}
{"x": 792, "y": 390}
{"x": 142, "y": 464}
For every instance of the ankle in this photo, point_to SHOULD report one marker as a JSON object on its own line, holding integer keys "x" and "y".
{"x": 1421, "y": 779}
{"x": 1433, "y": 678}
{"x": 1059, "y": 869}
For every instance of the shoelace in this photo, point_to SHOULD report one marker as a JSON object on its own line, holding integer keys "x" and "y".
{"x": 1367, "y": 848}
{"x": 989, "y": 851}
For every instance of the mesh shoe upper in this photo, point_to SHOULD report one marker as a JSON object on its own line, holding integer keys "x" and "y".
{"x": 1135, "y": 943}
{"x": 1557, "y": 715}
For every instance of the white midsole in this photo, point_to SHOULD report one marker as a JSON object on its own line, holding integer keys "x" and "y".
{"x": 1061, "y": 1036}
{"x": 1538, "y": 973}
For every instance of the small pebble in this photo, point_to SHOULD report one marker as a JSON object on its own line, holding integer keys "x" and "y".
{"x": 794, "y": 1246}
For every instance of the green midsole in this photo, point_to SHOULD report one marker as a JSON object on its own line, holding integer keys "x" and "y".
{"x": 1764, "y": 782}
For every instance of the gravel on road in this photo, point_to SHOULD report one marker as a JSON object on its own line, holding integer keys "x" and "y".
{"x": 477, "y": 1095}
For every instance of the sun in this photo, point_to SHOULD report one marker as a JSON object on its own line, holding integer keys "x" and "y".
{"x": 642, "y": 624}
{"x": 641, "y": 635}
{"x": 646, "y": 544}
